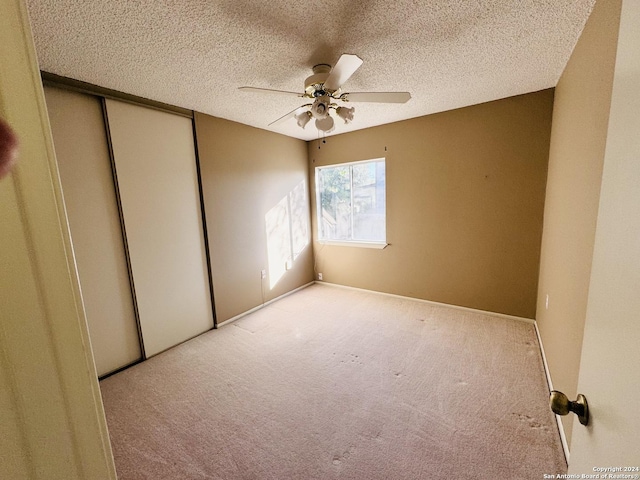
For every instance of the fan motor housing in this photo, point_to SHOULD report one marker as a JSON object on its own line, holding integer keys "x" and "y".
{"x": 313, "y": 84}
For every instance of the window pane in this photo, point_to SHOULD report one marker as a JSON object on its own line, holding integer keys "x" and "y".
{"x": 334, "y": 186}
{"x": 351, "y": 201}
{"x": 369, "y": 201}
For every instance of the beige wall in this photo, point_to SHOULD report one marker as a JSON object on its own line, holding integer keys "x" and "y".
{"x": 578, "y": 138}
{"x": 246, "y": 172}
{"x": 465, "y": 195}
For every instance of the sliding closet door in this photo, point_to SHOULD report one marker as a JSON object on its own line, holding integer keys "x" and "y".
{"x": 155, "y": 164}
{"x": 85, "y": 170}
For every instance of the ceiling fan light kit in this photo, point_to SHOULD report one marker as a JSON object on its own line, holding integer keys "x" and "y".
{"x": 346, "y": 113}
{"x": 303, "y": 118}
{"x": 324, "y": 87}
{"x": 321, "y": 106}
{"x": 325, "y": 124}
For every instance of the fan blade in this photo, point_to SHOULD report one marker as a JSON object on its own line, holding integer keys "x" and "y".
{"x": 289, "y": 115}
{"x": 268, "y": 90}
{"x": 377, "y": 97}
{"x": 346, "y": 66}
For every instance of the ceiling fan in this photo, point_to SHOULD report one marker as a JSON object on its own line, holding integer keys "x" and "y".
{"x": 325, "y": 88}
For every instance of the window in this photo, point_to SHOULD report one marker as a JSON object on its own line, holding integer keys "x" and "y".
{"x": 351, "y": 199}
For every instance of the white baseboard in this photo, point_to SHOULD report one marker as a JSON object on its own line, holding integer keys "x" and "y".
{"x": 437, "y": 304}
{"x": 237, "y": 317}
{"x": 563, "y": 437}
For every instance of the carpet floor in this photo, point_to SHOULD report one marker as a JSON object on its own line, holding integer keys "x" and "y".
{"x": 331, "y": 383}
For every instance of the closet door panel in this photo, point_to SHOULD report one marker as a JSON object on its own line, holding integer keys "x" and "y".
{"x": 85, "y": 170}
{"x": 155, "y": 162}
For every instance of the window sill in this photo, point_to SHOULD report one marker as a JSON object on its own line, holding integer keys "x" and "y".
{"x": 375, "y": 245}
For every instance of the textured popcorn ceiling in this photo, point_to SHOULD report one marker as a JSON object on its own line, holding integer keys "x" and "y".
{"x": 196, "y": 53}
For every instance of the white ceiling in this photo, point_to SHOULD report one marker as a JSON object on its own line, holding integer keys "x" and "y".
{"x": 196, "y": 53}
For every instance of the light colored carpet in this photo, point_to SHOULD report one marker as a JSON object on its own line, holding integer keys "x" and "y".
{"x": 332, "y": 383}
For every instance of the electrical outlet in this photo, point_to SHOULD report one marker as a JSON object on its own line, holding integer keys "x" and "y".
{"x": 263, "y": 274}
{"x": 319, "y": 276}
{"x": 546, "y": 302}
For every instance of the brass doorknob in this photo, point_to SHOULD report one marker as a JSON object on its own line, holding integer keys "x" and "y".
{"x": 561, "y": 405}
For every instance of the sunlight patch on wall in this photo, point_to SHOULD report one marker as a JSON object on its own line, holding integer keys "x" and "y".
{"x": 287, "y": 226}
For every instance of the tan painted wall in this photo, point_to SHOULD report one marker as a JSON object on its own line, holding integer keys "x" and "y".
{"x": 246, "y": 172}
{"x": 465, "y": 193}
{"x": 578, "y": 138}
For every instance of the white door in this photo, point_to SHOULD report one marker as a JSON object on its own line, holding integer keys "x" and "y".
{"x": 610, "y": 365}
{"x": 80, "y": 140}
{"x": 156, "y": 171}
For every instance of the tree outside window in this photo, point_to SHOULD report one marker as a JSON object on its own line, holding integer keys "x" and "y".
{"x": 352, "y": 202}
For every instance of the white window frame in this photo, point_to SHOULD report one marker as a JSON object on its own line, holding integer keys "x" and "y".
{"x": 378, "y": 244}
